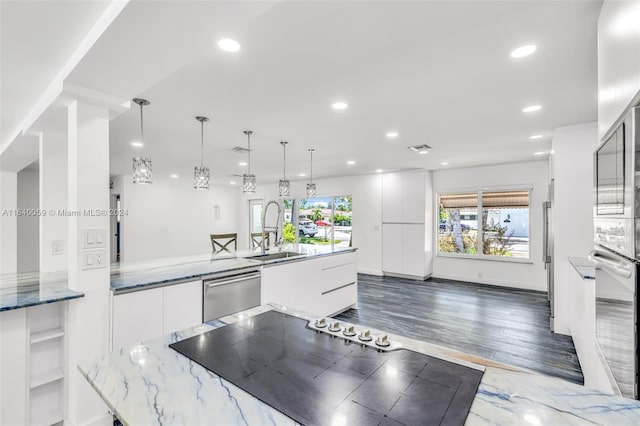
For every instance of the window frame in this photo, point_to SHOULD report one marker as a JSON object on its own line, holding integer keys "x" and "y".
{"x": 296, "y": 216}
{"x": 479, "y": 255}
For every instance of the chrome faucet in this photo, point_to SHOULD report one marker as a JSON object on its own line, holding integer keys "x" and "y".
{"x": 275, "y": 229}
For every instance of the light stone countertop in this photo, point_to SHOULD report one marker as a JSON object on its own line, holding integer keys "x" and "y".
{"x": 151, "y": 384}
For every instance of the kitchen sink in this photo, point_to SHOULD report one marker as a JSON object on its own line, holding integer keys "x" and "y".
{"x": 272, "y": 256}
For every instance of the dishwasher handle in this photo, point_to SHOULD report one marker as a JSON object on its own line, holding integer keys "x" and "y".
{"x": 224, "y": 281}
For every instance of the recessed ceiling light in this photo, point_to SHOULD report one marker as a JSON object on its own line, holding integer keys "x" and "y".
{"x": 174, "y": 176}
{"x": 444, "y": 163}
{"x": 351, "y": 162}
{"x": 523, "y": 51}
{"x": 392, "y": 135}
{"x": 302, "y": 174}
{"x": 535, "y": 137}
{"x": 242, "y": 163}
{"x": 233, "y": 182}
{"x": 137, "y": 144}
{"x": 539, "y": 153}
{"x": 229, "y": 45}
{"x": 532, "y": 108}
{"x": 423, "y": 152}
{"x": 379, "y": 170}
{"x": 339, "y": 105}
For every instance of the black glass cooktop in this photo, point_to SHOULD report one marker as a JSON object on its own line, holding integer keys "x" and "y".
{"x": 318, "y": 379}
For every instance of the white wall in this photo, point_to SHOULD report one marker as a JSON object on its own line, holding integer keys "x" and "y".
{"x": 8, "y": 223}
{"x": 366, "y": 191}
{"x": 53, "y": 196}
{"x": 520, "y": 275}
{"x": 572, "y": 170}
{"x": 618, "y": 60}
{"x": 28, "y": 226}
{"x": 170, "y": 218}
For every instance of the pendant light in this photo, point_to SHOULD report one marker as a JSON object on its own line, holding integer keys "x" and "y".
{"x": 201, "y": 174}
{"x": 142, "y": 167}
{"x": 311, "y": 187}
{"x": 248, "y": 180}
{"x": 284, "y": 187}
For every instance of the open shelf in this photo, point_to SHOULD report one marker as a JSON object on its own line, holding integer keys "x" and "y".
{"x": 45, "y": 335}
{"x": 49, "y": 376}
{"x": 49, "y": 418}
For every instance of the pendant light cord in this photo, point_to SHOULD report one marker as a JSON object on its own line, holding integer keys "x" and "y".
{"x": 201, "y": 144}
{"x": 249, "y": 152}
{"x": 141, "y": 123}
{"x": 311, "y": 168}
{"x": 284, "y": 159}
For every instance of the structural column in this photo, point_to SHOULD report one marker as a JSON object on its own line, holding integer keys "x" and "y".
{"x": 53, "y": 200}
{"x": 87, "y": 322}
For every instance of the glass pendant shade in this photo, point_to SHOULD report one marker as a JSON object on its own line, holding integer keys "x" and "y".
{"x": 311, "y": 190}
{"x": 311, "y": 187}
{"x": 201, "y": 174}
{"x": 142, "y": 168}
{"x": 249, "y": 184}
{"x": 142, "y": 171}
{"x": 201, "y": 177}
{"x": 248, "y": 180}
{"x": 284, "y": 188}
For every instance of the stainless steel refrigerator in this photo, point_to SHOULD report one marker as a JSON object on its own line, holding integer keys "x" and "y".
{"x": 547, "y": 249}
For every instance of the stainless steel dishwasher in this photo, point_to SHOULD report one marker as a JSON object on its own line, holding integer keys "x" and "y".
{"x": 226, "y": 295}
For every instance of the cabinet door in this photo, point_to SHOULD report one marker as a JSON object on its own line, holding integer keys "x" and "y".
{"x": 413, "y": 193}
{"x": 413, "y": 251}
{"x": 293, "y": 284}
{"x": 392, "y": 197}
{"x": 137, "y": 317}
{"x": 182, "y": 306}
{"x": 392, "y": 248}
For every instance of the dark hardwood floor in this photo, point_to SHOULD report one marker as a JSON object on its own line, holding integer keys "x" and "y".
{"x": 510, "y": 326}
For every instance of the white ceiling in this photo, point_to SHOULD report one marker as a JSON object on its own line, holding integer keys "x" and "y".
{"x": 437, "y": 72}
{"x": 37, "y": 39}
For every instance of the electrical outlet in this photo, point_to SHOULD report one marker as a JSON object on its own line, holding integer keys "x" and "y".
{"x": 57, "y": 247}
{"x": 94, "y": 259}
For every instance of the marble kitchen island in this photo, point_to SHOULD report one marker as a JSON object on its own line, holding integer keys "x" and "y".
{"x": 151, "y": 384}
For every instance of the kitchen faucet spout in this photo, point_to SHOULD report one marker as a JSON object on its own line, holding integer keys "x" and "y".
{"x": 274, "y": 229}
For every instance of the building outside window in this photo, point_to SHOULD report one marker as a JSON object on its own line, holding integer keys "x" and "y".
{"x": 484, "y": 223}
{"x": 320, "y": 220}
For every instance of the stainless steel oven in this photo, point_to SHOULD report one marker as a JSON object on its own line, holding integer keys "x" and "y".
{"x": 616, "y": 318}
{"x": 616, "y": 180}
{"x": 616, "y": 254}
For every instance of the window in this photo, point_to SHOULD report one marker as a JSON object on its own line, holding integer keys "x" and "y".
{"x": 503, "y": 230}
{"x": 321, "y": 221}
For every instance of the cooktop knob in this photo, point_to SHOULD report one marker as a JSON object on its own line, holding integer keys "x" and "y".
{"x": 335, "y": 327}
{"x": 365, "y": 335}
{"x": 383, "y": 341}
{"x": 321, "y": 323}
{"x": 349, "y": 331}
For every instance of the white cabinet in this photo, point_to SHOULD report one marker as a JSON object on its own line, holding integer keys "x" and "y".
{"x": 147, "y": 314}
{"x": 618, "y": 60}
{"x": 392, "y": 247}
{"x": 136, "y": 317}
{"x": 182, "y": 306}
{"x": 321, "y": 286}
{"x": 403, "y": 246}
{"x": 406, "y": 224}
{"x": 403, "y": 197}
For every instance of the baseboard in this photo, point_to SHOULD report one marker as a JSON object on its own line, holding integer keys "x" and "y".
{"x": 409, "y": 277}
{"x": 499, "y": 283}
{"x": 370, "y": 272}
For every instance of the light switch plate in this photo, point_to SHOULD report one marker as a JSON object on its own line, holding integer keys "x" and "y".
{"x": 94, "y": 238}
{"x": 57, "y": 247}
